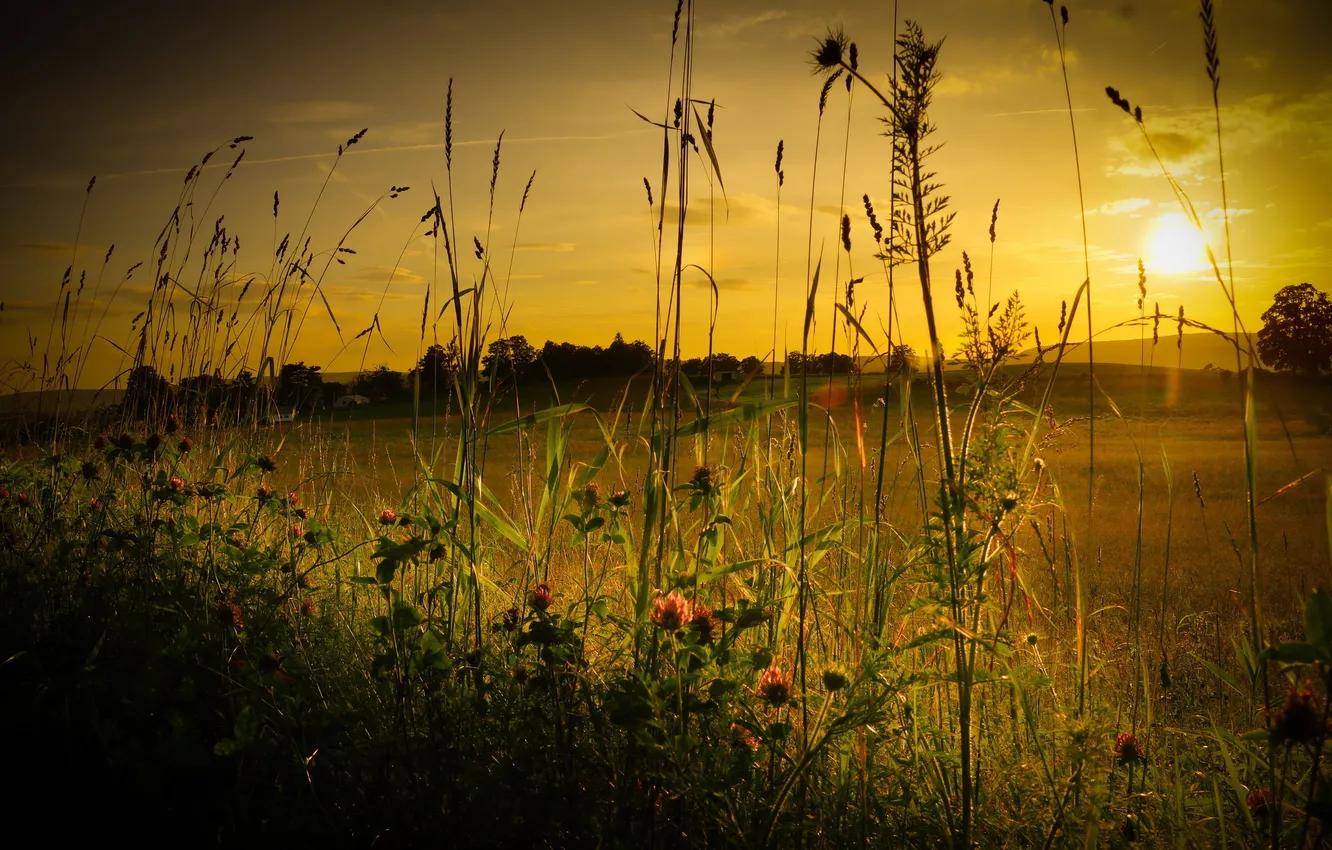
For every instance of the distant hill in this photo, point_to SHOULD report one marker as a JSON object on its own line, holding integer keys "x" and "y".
{"x": 70, "y": 401}
{"x": 1198, "y": 351}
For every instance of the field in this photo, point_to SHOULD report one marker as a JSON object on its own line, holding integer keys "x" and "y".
{"x": 1012, "y": 595}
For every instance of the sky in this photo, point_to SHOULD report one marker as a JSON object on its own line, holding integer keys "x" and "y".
{"x": 135, "y": 93}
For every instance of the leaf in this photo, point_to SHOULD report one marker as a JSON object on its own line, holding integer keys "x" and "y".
{"x": 537, "y": 418}
{"x": 709, "y": 576}
{"x": 744, "y": 413}
{"x": 712, "y": 154}
{"x": 647, "y": 119}
{"x": 329, "y": 308}
{"x": 1318, "y": 619}
{"x": 247, "y": 725}
{"x": 855, "y": 323}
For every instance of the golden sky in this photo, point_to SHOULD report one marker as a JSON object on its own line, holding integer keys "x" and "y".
{"x": 137, "y": 94}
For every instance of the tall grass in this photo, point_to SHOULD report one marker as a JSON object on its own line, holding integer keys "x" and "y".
{"x": 678, "y": 634}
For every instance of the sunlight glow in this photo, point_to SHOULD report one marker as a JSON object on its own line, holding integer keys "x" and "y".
{"x": 1175, "y": 246}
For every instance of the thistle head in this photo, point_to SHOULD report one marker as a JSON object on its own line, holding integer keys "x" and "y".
{"x": 830, "y": 52}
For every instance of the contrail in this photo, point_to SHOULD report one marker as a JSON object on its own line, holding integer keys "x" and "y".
{"x": 1061, "y": 111}
{"x": 222, "y": 163}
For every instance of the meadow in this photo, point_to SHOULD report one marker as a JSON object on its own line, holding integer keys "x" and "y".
{"x": 991, "y": 600}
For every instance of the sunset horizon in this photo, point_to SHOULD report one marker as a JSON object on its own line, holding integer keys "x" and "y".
{"x": 580, "y": 266}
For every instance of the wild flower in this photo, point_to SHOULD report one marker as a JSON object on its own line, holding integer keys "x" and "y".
{"x": 702, "y": 623}
{"x": 23, "y": 500}
{"x": 541, "y": 597}
{"x": 185, "y": 445}
{"x": 100, "y": 442}
{"x": 1260, "y": 802}
{"x": 264, "y": 492}
{"x": 774, "y": 687}
{"x": 702, "y": 479}
{"x": 834, "y": 679}
{"x": 173, "y": 424}
{"x": 90, "y": 472}
{"x": 1128, "y": 750}
{"x": 308, "y": 608}
{"x": 229, "y": 614}
{"x": 266, "y": 463}
{"x": 124, "y": 442}
{"x": 153, "y": 443}
{"x": 297, "y": 532}
{"x": 591, "y": 496}
{"x": 176, "y": 484}
{"x": 619, "y": 499}
{"x": 743, "y": 738}
{"x": 670, "y": 611}
{"x": 1300, "y": 719}
{"x": 828, "y": 55}
{"x": 387, "y": 517}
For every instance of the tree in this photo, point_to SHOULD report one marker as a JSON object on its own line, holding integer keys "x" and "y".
{"x": 382, "y": 384}
{"x": 146, "y": 392}
{"x": 437, "y": 367}
{"x": 627, "y": 358}
{"x": 298, "y": 384}
{"x": 510, "y": 359}
{"x": 902, "y": 356}
{"x": 1297, "y": 330}
{"x": 751, "y": 365}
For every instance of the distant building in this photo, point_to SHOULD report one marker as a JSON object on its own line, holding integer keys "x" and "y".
{"x": 346, "y": 401}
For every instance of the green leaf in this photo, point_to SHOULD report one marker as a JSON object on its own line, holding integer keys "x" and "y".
{"x": 247, "y": 725}
{"x": 1296, "y": 652}
{"x": 1318, "y": 619}
{"x": 742, "y": 413}
{"x": 537, "y": 418}
{"x": 855, "y": 323}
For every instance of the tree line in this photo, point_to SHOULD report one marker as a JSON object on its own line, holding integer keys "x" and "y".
{"x": 507, "y": 361}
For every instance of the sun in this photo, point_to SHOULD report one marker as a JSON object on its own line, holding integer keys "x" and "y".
{"x": 1176, "y": 246}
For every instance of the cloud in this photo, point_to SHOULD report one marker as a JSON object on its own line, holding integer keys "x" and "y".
{"x": 318, "y": 112}
{"x": 1185, "y": 139}
{"x": 67, "y": 249}
{"x": 554, "y": 247}
{"x": 725, "y": 284}
{"x": 1120, "y": 207}
{"x": 1004, "y": 73}
{"x": 394, "y": 276}
{"x": 341, "y": 296}
{"x": 733, "y": 25}
{"x": 739, "y": 209}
